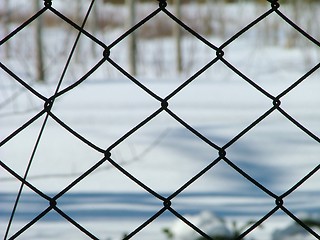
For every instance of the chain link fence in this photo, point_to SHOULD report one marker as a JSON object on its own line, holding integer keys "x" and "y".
{"x": 164, "y": 108}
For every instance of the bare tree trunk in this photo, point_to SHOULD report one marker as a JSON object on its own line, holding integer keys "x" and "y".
{"x": 132, "y": 45}
{"x": 294, "y": 35}
{"x": 7, "y": 19}
{"x": 94, "y": 26}
{"x": 208, "y": 17}
{"x": 221, "y": 18}
{"x": 40, "y": 75}
{"x": 177, "y": 35}
{"x": 78, "y": 21}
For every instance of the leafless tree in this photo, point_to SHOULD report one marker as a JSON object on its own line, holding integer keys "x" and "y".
{"x": 132, "y": 45}
{"x": 177, "y": 34}
{"x": 40, "y": 75}
{"x": 7, "y": 20}
{"x": 94, "y": 25}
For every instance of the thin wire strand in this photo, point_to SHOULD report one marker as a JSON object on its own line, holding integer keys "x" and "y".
{"x": 25, "y": 176}
{"x": 42, "y": 129}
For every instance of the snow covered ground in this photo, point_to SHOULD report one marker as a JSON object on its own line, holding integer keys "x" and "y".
{"x": 163, "y": 154}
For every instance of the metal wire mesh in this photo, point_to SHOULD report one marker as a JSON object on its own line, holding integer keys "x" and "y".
{"x": 164, "y": 107}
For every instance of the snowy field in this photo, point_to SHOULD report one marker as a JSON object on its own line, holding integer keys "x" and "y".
{"x": 163, "y": 154}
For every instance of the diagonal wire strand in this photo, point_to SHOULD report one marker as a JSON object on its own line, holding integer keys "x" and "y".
{"x": 25, "y": 176}
{"x": 74, "y": 46}
{"x": 42, "y": 128}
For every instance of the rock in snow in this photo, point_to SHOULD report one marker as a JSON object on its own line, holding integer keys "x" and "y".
{"x": 295, "y": 232}
{"x": 205, "y": 221}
